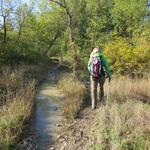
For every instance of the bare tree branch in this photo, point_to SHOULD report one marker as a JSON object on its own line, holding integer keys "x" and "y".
{"x": 57, "y": 2}
{"x": 67, "y": 9}
{"x": 64, "y": 5}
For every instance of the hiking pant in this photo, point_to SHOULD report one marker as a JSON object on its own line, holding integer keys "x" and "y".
{"x": 94, "y": 85}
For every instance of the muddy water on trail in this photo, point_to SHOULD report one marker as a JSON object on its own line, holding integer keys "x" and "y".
{"x": 48, "y": 112}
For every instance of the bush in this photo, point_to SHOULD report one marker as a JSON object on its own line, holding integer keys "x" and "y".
{"x": 73, "y": 91}
{"x": 128, "y": 56}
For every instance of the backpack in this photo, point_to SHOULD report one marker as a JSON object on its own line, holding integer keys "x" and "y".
{"x": 96, "y": 67}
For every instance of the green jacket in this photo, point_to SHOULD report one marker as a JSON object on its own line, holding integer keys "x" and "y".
{"x": 105, "y": 64}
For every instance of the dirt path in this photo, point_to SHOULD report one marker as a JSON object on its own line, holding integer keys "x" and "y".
{"x": 49, "y": 130}
{"x": 78, "y": 135}
{"x": 48, "y": 112}
{"x": 45, "y": 123}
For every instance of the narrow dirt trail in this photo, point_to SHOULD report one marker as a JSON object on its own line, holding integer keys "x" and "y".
{"x": 48, "y": 113}
{"x": 48, "y": 123}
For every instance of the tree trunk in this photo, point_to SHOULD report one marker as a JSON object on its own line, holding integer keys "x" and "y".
{"x": 5, "y": 30}
{"x": 19, "y": 34}
{"x": 72, "y": 45}
{"x": 20, "y": 31}
{"x": 52, "y": 42}
{"x": 71, "y": 32}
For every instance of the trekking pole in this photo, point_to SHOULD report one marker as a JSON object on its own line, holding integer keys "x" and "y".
{"x": 108, "y": 90}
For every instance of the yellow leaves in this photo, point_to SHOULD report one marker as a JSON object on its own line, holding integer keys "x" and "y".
{"x": 128, "y": 55}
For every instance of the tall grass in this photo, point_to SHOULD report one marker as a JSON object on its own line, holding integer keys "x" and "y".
{"x": 124, "y": 123}
{"x": 18, "y": 87}
{"x": 124, "y": 87}
{"x": 73, "y": 91}
{"x": 14, "y": 114}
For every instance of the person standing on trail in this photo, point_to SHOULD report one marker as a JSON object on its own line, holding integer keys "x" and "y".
{"x": 99, "y": 69}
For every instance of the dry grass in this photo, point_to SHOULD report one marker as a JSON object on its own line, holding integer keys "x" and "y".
{"x": 73, "y": 91}
{"x": 134, "y": 88}
{"x": 124, "y": 123}
{"x": 17, "y": 92}
{"x": 14, "y": 114}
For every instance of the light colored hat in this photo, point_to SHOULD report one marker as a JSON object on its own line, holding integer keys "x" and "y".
{"x": 95, "y": 51}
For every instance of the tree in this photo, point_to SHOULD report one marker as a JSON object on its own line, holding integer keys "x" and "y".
{"x": 71, "y": 9}
{"x": 128, "y": 15}
{"x": 83, "y": 23}
{"x": 100, "y": 21}
{"x": 21, "y": 14}
{"x": 7, "y": 8}
{"x": 50, "y": 29}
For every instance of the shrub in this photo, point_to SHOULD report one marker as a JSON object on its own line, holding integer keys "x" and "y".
{"x": 129, "y": 56}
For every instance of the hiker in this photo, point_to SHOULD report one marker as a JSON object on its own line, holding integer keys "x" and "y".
{"x": 99, "y": 69}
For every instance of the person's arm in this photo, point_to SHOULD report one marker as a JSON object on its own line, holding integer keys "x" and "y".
{"x": 106, "y": 66}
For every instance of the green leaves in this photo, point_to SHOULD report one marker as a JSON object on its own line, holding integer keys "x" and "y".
{"x": 118, "y": 25}
{"x": 127, "y": 15}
